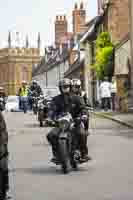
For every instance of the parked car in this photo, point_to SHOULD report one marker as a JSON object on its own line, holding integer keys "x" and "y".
{"x": 12, "y": 104}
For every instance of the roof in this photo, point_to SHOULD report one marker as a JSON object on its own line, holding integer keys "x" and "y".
{"x": 75, "y": 66}
{"x": 90, "y": 22}
{"x": 64, "y": 39}
{"x": 77, "y": 63}
{"x": 52, "y": 62}
{"x": 90, "y": 33}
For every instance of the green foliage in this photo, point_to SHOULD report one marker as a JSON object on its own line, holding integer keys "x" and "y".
{"x": 103, "y": 40}
{"x": 104, "y": 55}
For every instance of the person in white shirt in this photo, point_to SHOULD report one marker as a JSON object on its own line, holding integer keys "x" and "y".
{"x": 105, "y": 94}
{"x": 113, "y": 93}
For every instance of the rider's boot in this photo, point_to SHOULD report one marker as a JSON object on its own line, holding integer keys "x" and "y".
{"x": 84, "y": 150}
{"x": 55, "y": 158}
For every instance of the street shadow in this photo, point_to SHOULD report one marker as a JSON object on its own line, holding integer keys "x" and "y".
{"x": 49, "y": 170}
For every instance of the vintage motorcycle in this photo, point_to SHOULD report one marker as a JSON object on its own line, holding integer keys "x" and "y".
{"x": 68, "y": 155}
{"x": 43, "y": 106}
{"x": 35, "y": 100}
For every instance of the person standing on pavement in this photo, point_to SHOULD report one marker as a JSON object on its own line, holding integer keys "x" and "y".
{"x": 105, "y": 94}
{"x": 113, "y": 93}
{"x": 4, "y": 176}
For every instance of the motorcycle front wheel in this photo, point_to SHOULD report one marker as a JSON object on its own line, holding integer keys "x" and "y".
{"x": 35, "y": 110}
{"x": 64, "y": 155}
{"x": 41, "y": 123}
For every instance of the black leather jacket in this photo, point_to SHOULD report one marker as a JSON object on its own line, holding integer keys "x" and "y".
{"x": 68, "y": 103}
{"x": 33, "y": 91}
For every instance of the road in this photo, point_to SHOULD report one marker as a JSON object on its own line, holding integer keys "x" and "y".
{"x": 107, "y": 177}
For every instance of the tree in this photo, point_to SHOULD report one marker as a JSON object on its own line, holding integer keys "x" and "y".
{"x": 104, "y": 56}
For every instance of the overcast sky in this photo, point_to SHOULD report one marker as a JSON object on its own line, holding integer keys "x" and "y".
{"x": 33, "y": 16}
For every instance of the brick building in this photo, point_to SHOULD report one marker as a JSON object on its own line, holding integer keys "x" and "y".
{"x": 117, "y": 22}
{"x": 61, "y": 28}
{"x": 116, "y": 18}
{"x": 79, "y": 19}
{"x": 16, "y": 65}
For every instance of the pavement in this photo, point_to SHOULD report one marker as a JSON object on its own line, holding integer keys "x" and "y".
{"x": 125, "y": 119}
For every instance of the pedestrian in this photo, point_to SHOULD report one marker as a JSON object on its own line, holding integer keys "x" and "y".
{"x": 4, "y": 176}
{"x": 105, "y": 94}
{"x": 113, "y": 93}
{"x": 23, "y": 96}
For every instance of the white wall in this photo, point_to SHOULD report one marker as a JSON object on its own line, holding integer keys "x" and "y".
{"x": 56, "y": 73}
{"x": 53, "y": 75}
{"x": 122, "y": 55}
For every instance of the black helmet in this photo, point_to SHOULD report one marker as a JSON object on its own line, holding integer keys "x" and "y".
{"x": 64, "y": 82}
{"x": 64, "y": 85}
{"x": 34, "y": 82}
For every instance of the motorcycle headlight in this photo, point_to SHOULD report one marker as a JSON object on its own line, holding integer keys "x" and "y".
{"x": 41, "y": 105}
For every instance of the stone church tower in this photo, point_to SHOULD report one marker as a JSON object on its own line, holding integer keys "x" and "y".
{"x": 79, "y": 19}
{"x": 16, "y": 64}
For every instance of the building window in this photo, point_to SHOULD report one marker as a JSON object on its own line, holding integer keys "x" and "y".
{"x": 24, "y": 73}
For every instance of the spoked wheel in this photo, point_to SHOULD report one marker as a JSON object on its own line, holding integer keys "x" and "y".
{"x": 35, "y": 111}
{"x": 64, "y": 155}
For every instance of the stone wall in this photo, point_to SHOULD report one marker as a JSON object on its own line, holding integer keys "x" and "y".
{"x": 15, "y": 66}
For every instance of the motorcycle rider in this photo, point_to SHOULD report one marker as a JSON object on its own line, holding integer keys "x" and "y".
{"x": 66, "y": 102}
{"x": 34, "y": 89}
{"x": 76, "y": 89}
{"x": 4, "y": 176}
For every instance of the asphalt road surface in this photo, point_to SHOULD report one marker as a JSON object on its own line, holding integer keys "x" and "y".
{"x": 107, "y": 177}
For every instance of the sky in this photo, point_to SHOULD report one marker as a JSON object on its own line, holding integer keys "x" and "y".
{"x": 28, "y": 17}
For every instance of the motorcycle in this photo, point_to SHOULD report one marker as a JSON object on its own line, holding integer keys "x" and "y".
{"x": 43, "y": 107}
{"x": 35, "y": 104}
{"x": 67, "y": 154}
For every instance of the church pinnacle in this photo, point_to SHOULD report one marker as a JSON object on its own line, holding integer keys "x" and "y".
{"x": 39, "y": 41}
{"x": 9, "y": 40}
